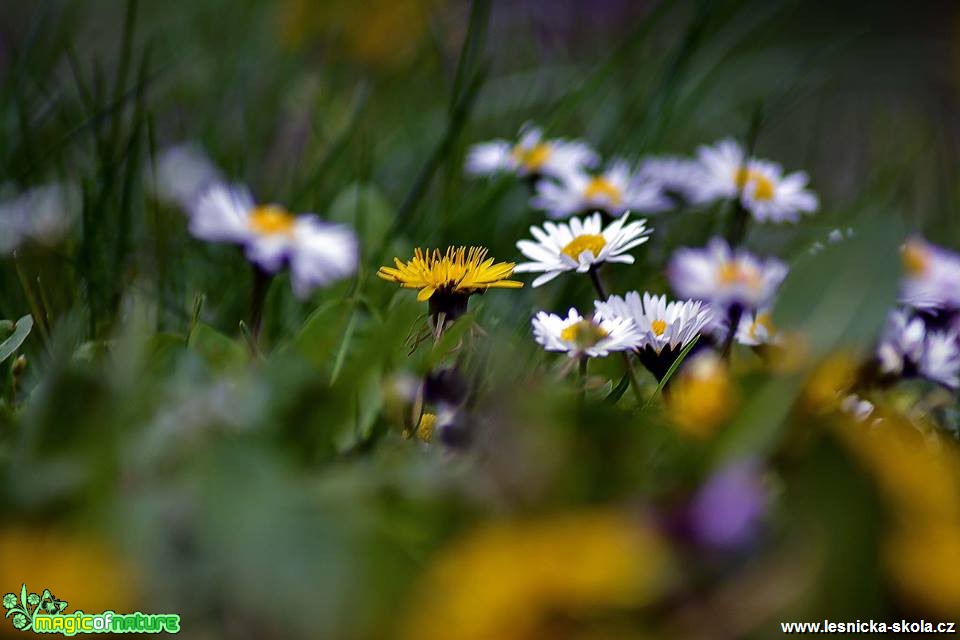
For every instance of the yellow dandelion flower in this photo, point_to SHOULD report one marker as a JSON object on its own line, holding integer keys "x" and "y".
{"x": 76, "y": 567}
{"x": 506, "y": 580}
{"x": 447, "y": 279}
{"x": 703, "y": 398}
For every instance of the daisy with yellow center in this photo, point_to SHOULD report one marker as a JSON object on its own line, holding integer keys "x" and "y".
{"x": 763, "y": 188}
{"x": 448, "y": 279}
{"x": 756, "y": 329}
{"x": 593, "y": 337}
{"x": 930, "y": 276}
{"x": 665, "y": 327}
{"x": 614, "y": 192}
{"x": 579, "y": 244}
{"x": 723, "y": 276}
{"x": 531, "y": 155}
{"x": 273, "y": 238}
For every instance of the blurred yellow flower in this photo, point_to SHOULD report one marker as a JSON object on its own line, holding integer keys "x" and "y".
{"x": 830, "y": 382}
{"x": 703, "y": 396}
{"x": 77, "y": 568}
{"x": 379, "y": 32}
{"x": 503, "y": 581}
{"x": 923, "y": 559}
{"x": 919, "y": 476}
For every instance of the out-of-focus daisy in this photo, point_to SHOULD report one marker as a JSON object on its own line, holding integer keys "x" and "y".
{"x": 316, "y": 252}
{"x": 579, "y": 244}
{"x": 615, "y": 191}
{"x": 595, "y": 337}
{"x": 723, "y": 276}
{"x": 675, "y": 175}
{"x": 907, "y": 348}
{"x": 448, "y": 279}
{"x": 665, "y": 327}
{"x": 180, "y": 173}
{"x": 931, "y": 276}
{"x": 755, "y": 329}
{"x": 940, "y": 361}
{"x": 764, "y": 190}
{"x": 531, "y": 155}
{"x": 901, "y": 345}
{"x": 41, "y": 215}
{"x": 856, "y": 407}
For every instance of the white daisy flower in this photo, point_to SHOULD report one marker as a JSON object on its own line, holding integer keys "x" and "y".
{"x": 594, "y": 337}
{"x": 662, "y": 325}
{"x": 931, "y": 276}
{"x": 940, "y": 360}
{"x": 180, "y": 173}
{"x": 41, "y": 215}
{"x": 674, "y": 174}
{"x": 532, "y": 155}
{"x": 317, "y": 252}
{"x": 755, "y": 329}
{"x": 764, "y": 190}
{"x": 856, "y": 407}
{"x": 614, "y": 191}
{"x": 578, "y": 244}
{"x": 901, "y": 345}
{"x": 722, "y": 276}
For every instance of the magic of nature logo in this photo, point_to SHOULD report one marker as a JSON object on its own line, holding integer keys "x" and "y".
{"x": 45, "y": 613}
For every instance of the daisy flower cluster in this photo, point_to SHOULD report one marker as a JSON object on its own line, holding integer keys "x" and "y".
{"x": 922, "y": 336}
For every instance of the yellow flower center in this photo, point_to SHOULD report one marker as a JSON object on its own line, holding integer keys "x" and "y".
{"x": 731, "y": 273}
{"x": 428, "y": 422}
{"x": 658, "y": 326}
{"x": 583, "y": 334}
{"x": 532, "y": 158}
{"x": 601, "y": 187}
{"x": 591, "y": 242}
{"x": 916, "y": 258}
{"x": 270, "y": 219}
{"x": 764, "y": 189}
{"x": 762, "y": 320}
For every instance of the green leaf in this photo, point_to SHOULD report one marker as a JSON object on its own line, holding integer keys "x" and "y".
{"x": 364, "y": 207}
{"x": 20, "y": 332}
{"x": 218, "y": 350}
{"x": 673, "y": 369}
{"x": 23, "y": 593}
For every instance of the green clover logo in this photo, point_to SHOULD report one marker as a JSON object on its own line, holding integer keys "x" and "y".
{"x": 26, "y": 608}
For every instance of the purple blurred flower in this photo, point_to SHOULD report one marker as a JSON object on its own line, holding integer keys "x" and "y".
{"x": 727, "y": 510}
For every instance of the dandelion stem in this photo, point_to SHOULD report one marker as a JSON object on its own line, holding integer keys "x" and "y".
{"x": 628, "y": 363}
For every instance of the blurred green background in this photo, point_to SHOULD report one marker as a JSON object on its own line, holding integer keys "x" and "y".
{"x": 151, "y": 462}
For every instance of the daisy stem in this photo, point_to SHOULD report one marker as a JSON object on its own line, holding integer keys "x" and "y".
{"x": 736, "y": 311}
{"x": 634, "y": 383}
{"x": 258, "y": 298}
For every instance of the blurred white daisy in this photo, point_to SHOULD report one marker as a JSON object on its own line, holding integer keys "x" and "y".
{"x": 756, "y": 328}
{"x": 180, "y": 173}
{"x": 764, "y": 190}
{"x": 722, "y": 276}
{"x": 41, "y": 215}
{"x": 856, "y": 407}
{"x": 940, "y": 360}
{"x": 578, "y": 244}
{"x": 595, "y": 337}
{"x": 674, "y": 174}
{"x": 931, "y": 278}
{"x": 531, "y": 155}
{"x": 662, "y": 325}
{"x": 614, "y": 191}
{"x": 901, "y": 344}
{"x": 316, "y": 252}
